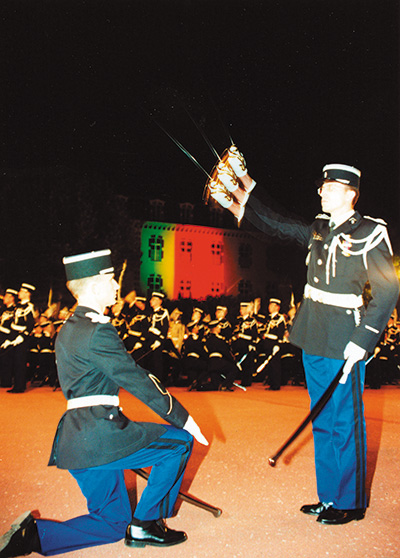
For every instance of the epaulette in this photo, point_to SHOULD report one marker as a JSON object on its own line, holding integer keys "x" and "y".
{"x": 322, "y": 216}
{"x": 376, "y": 220}
{"x": 97, "y": 318}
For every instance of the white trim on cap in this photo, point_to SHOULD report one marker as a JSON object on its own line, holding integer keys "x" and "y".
{"x": 87, "y": 256}
{"x": 28, "y": 287}
{"x": 108, "y": 270}
{"x": 339, "y": 166}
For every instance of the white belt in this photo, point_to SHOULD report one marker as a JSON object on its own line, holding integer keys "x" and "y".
{"x": 195, "y": 355}
{"x": 91, "y": 400}
{"x": 215, "y": 355}
{"x": 333, "y": 299}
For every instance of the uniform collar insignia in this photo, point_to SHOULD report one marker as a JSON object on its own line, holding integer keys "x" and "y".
{"x": 97, "y": 318}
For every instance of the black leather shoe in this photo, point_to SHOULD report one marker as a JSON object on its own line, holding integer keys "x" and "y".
{"x": 314, "y": 509}
{"x": 21, "y": 539}
{"x": 332, "y": 516}
{"x": 156, "y": 534}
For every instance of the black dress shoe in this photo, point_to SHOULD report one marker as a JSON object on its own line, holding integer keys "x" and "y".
{"x": 155, "y": 534}
{"x": 332, "y": 516}
{"x": 314, "y": 509}
{"x": 21, "y": 539}
{"x": 13, "y": 390}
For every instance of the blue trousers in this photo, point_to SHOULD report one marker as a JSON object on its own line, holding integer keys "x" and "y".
{"x": 340, "y": 441}
{"x": 107, "y": 497}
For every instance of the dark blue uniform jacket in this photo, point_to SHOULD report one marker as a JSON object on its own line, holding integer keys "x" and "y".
{"x": 339, "y": 262}
{"x": 92, "y": 360}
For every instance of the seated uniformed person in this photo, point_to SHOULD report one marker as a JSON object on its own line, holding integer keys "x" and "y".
{"x": 226, "y": 327}
{"x": 197, "y": 321}
{"x": 194, "y": 356}
{"x": 136, "y": 326}
{"x": 96, "y": 442}
{"x": 270, "y": 344}
{"x": 244, "y": 340}
{"x": 221, "y": 370}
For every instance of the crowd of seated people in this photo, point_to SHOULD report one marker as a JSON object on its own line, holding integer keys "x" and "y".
{"x": 218, "y": 344}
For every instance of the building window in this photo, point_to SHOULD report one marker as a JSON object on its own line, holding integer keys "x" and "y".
{"x": 217, "y": 289}
{"x": 217, "y": 253}
{"x": 245, "y": 259}
{"x": 245, "y": 287}
{"x": 186, "y": 249}
{"x": 156, "y": 245}
{"x": 186, "y": 212}
{"x": 185, "y": 289}
{"x": 154, "y": 283}
{"x": 157, "y": 210}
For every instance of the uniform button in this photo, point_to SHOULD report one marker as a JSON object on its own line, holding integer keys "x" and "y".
{"x": 316, "y": 279}
{"x": 325, "y": 247}
{"x": 348, "y": 312}
{"x": 111, "y": 417}
{"x": 320, "y": 262}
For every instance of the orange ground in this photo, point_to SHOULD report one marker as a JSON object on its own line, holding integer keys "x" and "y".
{"x": 261, "y": 517}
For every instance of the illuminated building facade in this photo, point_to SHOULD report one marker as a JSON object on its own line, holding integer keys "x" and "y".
{"x": 193, "y": 261}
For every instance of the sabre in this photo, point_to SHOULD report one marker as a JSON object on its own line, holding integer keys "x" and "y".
{"x": 320, "y": 404}
{"x": 186, "y": 497}
{"x": 183, "y": 149}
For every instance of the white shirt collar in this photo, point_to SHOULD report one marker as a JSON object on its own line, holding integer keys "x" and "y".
{"x": 341, "y": 219}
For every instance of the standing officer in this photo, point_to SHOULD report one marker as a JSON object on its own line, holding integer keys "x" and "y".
{"x": 17, "y": 341}
{"x": 6, "y": 319}
{"x": 332, "y": 325}
{"x": 96, "y": 442}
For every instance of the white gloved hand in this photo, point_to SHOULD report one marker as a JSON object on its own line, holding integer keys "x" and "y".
{"x": 220, "y": 193}
{"x": 18, "y": 340}
{"x": 5, "y": 344}
{"x": 193, "y": 429}
{"x": 237, "y": 161}
{"x": 227, "y": 176}
{"x": 155, "y": 345}
{"x": 352, "y": 354}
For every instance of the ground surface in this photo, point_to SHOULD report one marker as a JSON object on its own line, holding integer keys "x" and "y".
{"x": 260, "y": 504}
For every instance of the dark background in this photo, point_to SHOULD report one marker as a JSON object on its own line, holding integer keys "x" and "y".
{"x": 296, "y": 85}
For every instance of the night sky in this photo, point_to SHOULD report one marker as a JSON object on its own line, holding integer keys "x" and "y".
{"x": 296, "y": 85}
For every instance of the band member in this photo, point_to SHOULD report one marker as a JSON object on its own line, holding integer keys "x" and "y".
{"x": 156, "y": 335}
{"x": 135, "y": 328}
{"x": 244, "y": 340}
{"x": 196, "y": 321}
{"x": 221, "y": 313}
{"x": 269, "y": 347}
{"x": 17, "y": 341}
{"x": 332, "y": 325}
{"x": 194, "y": 356}
{"x": 6, "y": 319}
{"x": 96, "y": 442}
{"x": 222, "y": 370}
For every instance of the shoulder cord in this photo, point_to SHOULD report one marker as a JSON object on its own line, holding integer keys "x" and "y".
{"x": 371, "y": 241}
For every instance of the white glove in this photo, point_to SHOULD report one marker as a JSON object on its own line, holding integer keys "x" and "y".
{"x": 227, "y": 177}
{"x": 5, "y": 344}
{"x": 236, "y": 161}
{"x": 220, "y": 193}
{"x": 18, "y": 340}
{"x": 193, "y": 429}
{"x": 352, "y": 354}
{"x": 155, "y": 345}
